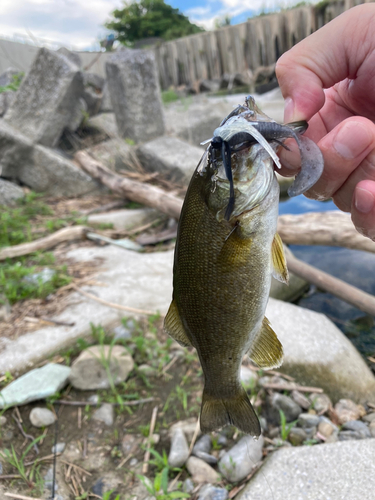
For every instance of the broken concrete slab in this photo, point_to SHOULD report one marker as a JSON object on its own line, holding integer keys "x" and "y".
{"x": 105, "y": 123}
{"x": 93, "y": 100}
{"x": 330, "y": 471}
{"x": 318, "y": 354}
{"x": 6, "y": 99}
{"x": 9, "y": 193}
{"x": 115, "y": 154}
{"x": 126, "y": 219}
{"x": 72, "y": 56}
{"x": 46, "y": 98}
{"x": 106, "y": 105}
{"x": 172, "y": 157}
{"x": 34, "y": 385}
{"x": 80, "y": 111}
{"x": 56, "y": 175}
{"x": 135, "y": 94}
{"x": 15, "y": 151}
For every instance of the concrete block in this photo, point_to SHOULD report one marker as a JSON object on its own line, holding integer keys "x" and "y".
{"x": 46, "y": 98}
{"x": 135, "y": 94}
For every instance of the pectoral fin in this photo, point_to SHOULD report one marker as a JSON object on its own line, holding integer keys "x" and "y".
{"x": 173, "y": 326}
{"x": 267, "y": 351}
{"x": 280, "y": 271}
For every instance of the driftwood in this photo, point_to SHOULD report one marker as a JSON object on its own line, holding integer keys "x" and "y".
{"x": 362, "y": 300}
{"x": 146, "y": 194}
{"x": 66, "y": 234}
{"x": 322, "y": 228}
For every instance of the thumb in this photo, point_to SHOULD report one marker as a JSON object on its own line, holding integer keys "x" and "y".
{"x": 326, "y": 57}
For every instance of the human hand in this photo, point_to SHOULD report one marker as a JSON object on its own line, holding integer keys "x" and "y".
{"x": 329, "y": 80}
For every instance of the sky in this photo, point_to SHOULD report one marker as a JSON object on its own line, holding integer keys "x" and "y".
{"x": 78, "y": 24}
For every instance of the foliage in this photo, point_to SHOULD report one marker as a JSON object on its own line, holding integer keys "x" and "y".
{"x": 220, "y": 22}
{"x": 150, "y": 18}
{"x": 30, "y": 476}
{"x": 14, "y": 85}
{"x": 285, "y": 428}
{"x": 168, "y": 96}
{"x": 159, "y": 487}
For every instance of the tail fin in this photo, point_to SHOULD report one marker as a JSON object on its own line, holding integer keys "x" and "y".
{"x": 237, "y": 411}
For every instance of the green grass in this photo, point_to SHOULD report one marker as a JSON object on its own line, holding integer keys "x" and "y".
{"x": 168, "y": 96}
{"x": 30, "y": 219}
{"x": 14, "y": 84}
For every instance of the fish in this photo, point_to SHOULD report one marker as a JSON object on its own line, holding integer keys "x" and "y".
{"x": 226, "y": 252}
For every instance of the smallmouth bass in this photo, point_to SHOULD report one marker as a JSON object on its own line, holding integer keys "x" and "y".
{"x": 227, "y": 249}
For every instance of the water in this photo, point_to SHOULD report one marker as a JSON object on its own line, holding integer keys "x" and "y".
{"x": 353, "y": 266}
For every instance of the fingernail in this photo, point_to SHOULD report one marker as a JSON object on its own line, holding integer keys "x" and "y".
{"x": 352, "y": 140}
{"x": 288, "y": 110}
{"x": 364, "y": 200}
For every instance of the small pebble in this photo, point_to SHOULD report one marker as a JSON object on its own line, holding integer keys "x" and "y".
{"x": 321, "y": 403}
{"x": 347, "y": 410}
{"x": 121, "y": 333}
{"x": 58, "y": 448}
{"x": 370, "y": 417}
{"x": 133, "y": 462}
{"x": 94, "y": 399}
{"x": 209, "y": 459}
{"x": 179, "y": 451}
{"x": 357, "y": 426}
{"x": 222, "y": 440}
{"x": 297, "y": 436}
{"x": 41, "y": 417}
{"x": 97, "y": 489}
{"x": 104, "y": 414}
{"x": 147, "y": 371}
{"x": 308, "y": 420}
{"x": 201, "y": 472}
{"x": 236, "y": 464}
{"x": 3, "y": 420}
{"x": 209, "y": 492}
{"x": 310, "y": 432}
{"x": 290, "y": 408}
{"x": 349, "y": 435}
{"x": 263, "y": 424}
{"x": 325, "y": 429}
{"x": 203, "y": 444}
{"x": 188, "y": 485}
{"x": 300, "y": 399}
{"x": 48, "y": 479}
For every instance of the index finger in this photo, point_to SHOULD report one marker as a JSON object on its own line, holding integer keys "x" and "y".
{"x": 308, "y": 68}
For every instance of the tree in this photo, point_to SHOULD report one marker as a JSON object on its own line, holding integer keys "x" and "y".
{"x": 150, "y": 18}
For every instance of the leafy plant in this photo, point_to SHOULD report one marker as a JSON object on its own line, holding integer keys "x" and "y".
{"x": 285, "y": 428}
{"x": 14, "y": 84}
{"x": 28, "y": 476}
{"x": 159, "y": 487}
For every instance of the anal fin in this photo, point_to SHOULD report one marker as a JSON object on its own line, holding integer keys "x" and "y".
{"x": 266, "y": 351}
{"x": 280, "y": 270}
{"x": 173, "y": 326}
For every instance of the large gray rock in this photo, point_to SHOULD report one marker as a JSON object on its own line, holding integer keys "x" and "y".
{"x": 78, "y": 115}
{"x": 317, "y": 353}
{"x": 106, "y": 105}
{"x": 337, "y": 471}
{"x": 170, "y": 156}
{"x": 100, "y": 366}
{"x": 46, "y": 98}
{"x": 115, "y": 154}
{"x": 125, "y": 219}
{"x": 135, "y": 94}
{"x": 9, "y": 192}
{"x": 236, "y": 464}
{"x": 34, "y": 385}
